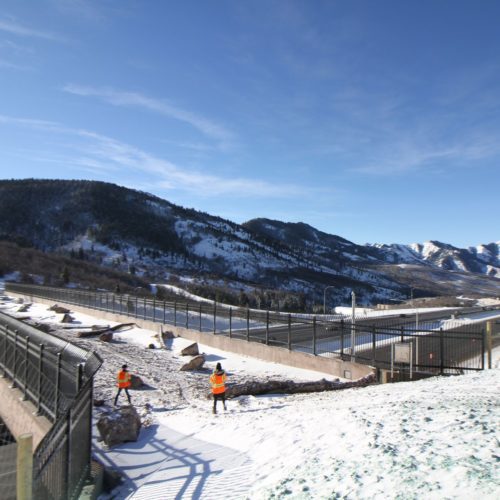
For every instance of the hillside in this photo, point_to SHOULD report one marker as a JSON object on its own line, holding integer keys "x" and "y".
{"x": 140, "y": 234}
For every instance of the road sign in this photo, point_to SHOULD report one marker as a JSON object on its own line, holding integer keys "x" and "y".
{"x": 402, "y": 353}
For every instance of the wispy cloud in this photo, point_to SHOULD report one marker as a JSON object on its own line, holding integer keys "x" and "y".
{"x": 11, "y": 65}
{"x": 134, "y": 99}
{"x": 112, "y": 157}
{"x": 15, "y": 28}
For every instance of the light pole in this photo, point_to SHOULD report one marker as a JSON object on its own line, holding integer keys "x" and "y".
{"x": 353, "y": 325}
{"x": 324, "y": 298}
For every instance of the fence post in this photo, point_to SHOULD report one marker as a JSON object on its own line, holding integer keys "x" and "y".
{"x": 24, "y": 477}
{"x": 164, "y": 307}
{"x": 230, "y": 322}
{"x": 215, "y": 317}
{"x": 489, "y": 341}
{"x": 79, "y": 377}
{"x": 144, "y": 309}
{"x": 441, "y": 351}
{"x": 342, "y": 338}
{"x": 14, "y": 368}
{"x": 289, "y": 332}
{"x": 25, "y": 395}
{"x": 248, "y": 324}
{"x": 175, "y": 313}
{"x": 4, "y": 350}
{"x": 374, "y": 348}
{"x": 58, "y": 385}
{"x": 187, "y": 315}
{"x": 154, "y": 309}
{"x": 40, "y": 372}
{"x": 200, "y": 317}
{"x": 314, "y": 335}
{"x": 267, "y": 327}
{"x": 402, "y": 333}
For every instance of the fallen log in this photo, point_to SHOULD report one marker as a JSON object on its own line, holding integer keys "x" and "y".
{"x": 255, "y": 388}
{"x": 99, "y": 331}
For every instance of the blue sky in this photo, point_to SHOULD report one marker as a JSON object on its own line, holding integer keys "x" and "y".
{"x": 378, "y": 121}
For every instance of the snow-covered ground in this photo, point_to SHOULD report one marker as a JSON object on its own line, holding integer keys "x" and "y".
{"x": 432, "y": 439}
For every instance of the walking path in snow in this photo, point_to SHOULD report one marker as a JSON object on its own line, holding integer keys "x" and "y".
{"x": 174, "y": 465}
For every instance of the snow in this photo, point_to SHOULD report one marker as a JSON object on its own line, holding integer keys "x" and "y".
{"x": 434, "y": 439}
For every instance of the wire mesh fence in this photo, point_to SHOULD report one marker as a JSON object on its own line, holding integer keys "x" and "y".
{"x": 57, "y": 377}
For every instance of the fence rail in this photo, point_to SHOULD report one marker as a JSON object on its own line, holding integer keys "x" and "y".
{"x": 441, "y": 344}
{"x": 57, "y": 377}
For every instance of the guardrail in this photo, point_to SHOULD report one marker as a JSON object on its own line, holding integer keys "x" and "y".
{"x": 57, "y": 377}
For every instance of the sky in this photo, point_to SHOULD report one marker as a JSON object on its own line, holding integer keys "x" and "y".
{"x": 434, "y": 438}
{"x": 374, "y": 121}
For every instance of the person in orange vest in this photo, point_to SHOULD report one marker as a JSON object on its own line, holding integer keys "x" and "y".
{"x": 124, "y": 381}
{"x": 218, "y": 381}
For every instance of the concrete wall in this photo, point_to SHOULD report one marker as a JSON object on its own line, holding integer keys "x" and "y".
{"x": 321, "y": 364}
{"x": 20, "y": 416}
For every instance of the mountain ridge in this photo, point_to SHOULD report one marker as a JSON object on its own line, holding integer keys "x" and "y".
{"x": 140, "y": 233}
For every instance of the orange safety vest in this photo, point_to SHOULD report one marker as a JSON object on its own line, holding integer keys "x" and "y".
{"x": 217, "y": 380}
{"x": 124, "y": 379}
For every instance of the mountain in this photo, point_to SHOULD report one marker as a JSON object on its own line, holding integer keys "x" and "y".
{"x": 482, "y": 259}
{"x": 136, "y": 232}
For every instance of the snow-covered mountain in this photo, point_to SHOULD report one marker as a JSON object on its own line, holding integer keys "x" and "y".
{"x": 482, "y": 259}
{"x": 140, "y": 233}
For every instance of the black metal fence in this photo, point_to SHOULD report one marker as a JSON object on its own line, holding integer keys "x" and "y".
{"x": 441, "y": 341}
{"x": 57, "y": 377}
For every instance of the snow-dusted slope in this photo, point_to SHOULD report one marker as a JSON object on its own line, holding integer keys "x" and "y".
{"x": 140, "y": 233}
{"x": 482, "y": 259}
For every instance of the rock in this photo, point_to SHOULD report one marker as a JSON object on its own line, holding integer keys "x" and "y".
{"x": 67, "y": 318}
{"x": 111, "y": 479}
{"x": 106, "y": 337}
{"x": 151, "y": 346}
{"x": 190, "y": 350}
{"x": 136, "y": 382}
{"x": 24, "y": 308}
{"x": 195, "y": 364}
{"x": 59, "y": 309}
{"x": 98, "y": 402}
{"x": 119, "y": 426}
{"x": 43, "y": 327}
{"x": 168, "y": 335}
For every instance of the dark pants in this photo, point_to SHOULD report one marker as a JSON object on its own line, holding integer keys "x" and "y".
{"x": 222, "y": 397}
{"x": 126, "y": 392}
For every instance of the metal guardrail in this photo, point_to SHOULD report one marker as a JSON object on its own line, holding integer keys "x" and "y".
{"x": 57, "y": 377}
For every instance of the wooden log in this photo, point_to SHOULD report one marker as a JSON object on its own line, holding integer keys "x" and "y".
{"x": 255, "y": 388}
{"x": 99, "y": 331}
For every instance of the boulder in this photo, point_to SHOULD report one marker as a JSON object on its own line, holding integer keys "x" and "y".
{"x": 67, "y": 318}
{"x": 151, "y": 346}
{"x": 119, "y": 426}
{"x": 168, "y": 335}
{"x": 190, "y": 350}
{"x": 106, "y": 337}
{"x": 59, "y": 309}
{"x": 195, "y": 364}
{"x": 136, "y": 381}
{"x": 44, "y": 327}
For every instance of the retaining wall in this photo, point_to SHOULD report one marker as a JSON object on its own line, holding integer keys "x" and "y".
{"x": 20, "y": 416}
{"x": 325, "y": 365}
